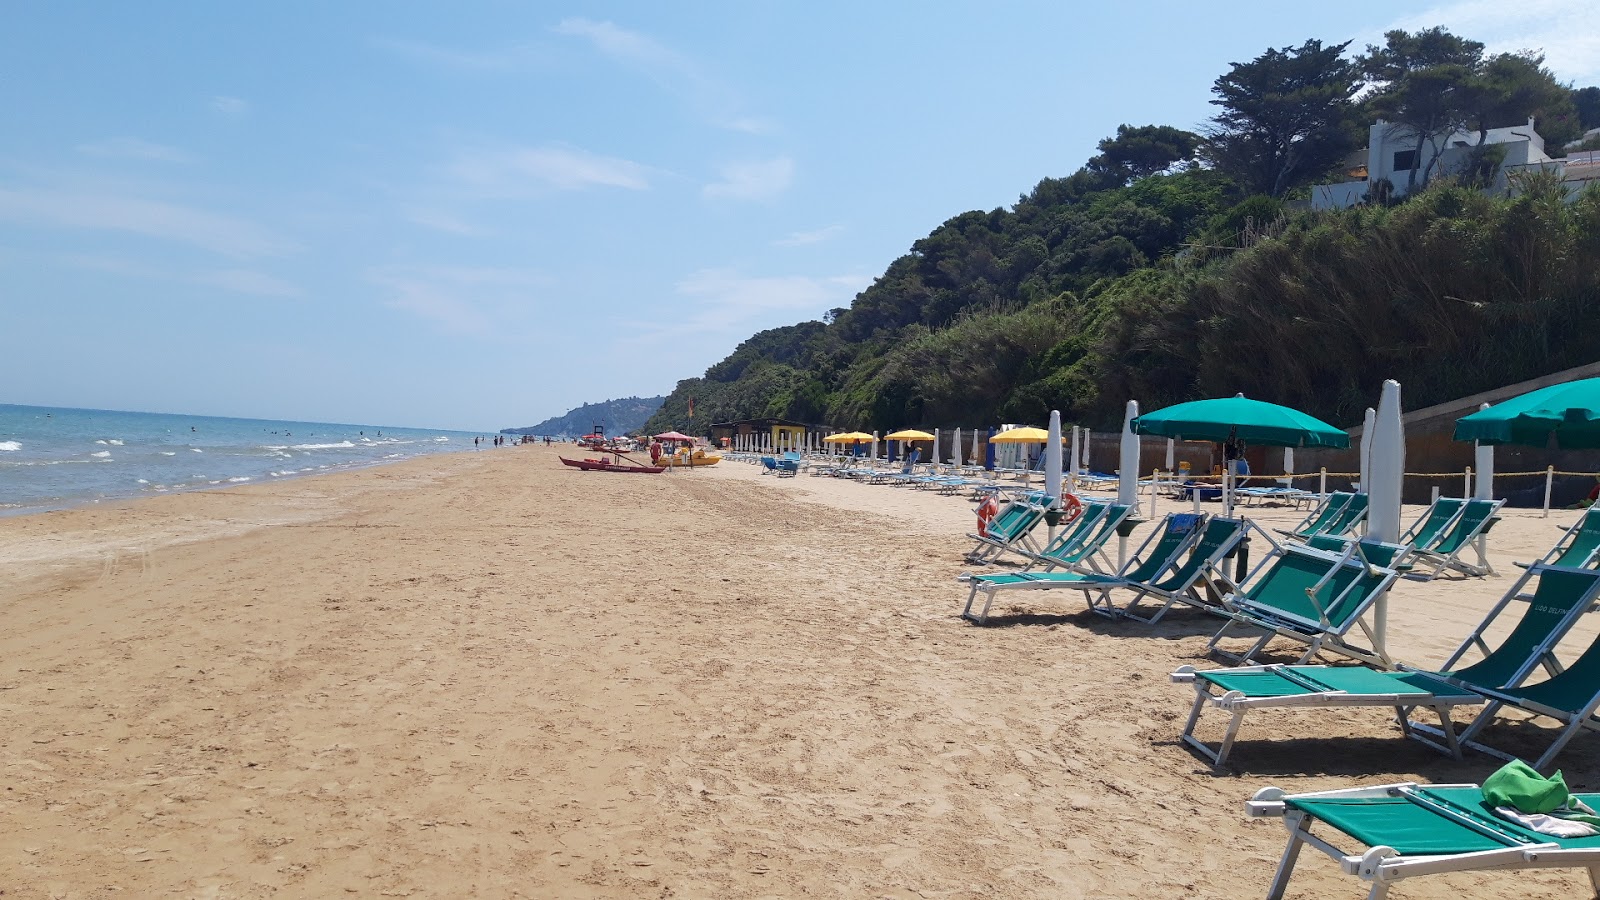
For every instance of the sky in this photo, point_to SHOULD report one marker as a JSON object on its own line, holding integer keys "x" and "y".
{"x": 478, "y": 215}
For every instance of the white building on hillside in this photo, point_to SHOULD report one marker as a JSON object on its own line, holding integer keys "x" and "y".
{"x": 1392, "y": 155}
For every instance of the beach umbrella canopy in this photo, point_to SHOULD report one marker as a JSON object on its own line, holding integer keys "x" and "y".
{"x": 1570, "y": 412}
{"x": 909, "y": 434}
{"x": 1386, "y": 468}
{"x": 848, "y": 437}
{"x": 1238, "y": 417}
{"x": 1128, "y": 458}
{"x": 1052, "y": 460}
{"x": 1020, "y": 436}
{"x": 673, "y": 436}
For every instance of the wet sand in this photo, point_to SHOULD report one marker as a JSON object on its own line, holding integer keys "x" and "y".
{"x": 487, "y": 675}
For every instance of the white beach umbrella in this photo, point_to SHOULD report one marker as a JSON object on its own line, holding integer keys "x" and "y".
{"x": 1387, "y": 474}
{"x": 1172, "y": 454}
{"x": 874, "y": 453}
{"x": 1366, "y": 449}
{"x": 1072, "y": 459}
{"x": 1087, "y": 444}
{"x": 1386, "y": 468}
{"x": 955, "y": 448}
{"x": 934, "y": 457}
{"x": 1128, "y": 476}
{"x": 973, "y": 456}
{"x": 1483, "y": 468}
{"x": 1288, "y": 462}
{"x": 1052, "y": 460}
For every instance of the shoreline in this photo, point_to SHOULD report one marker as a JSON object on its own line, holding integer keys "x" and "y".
{"x": 490, "y": 675}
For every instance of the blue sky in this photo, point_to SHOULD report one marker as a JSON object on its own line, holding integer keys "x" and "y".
{"x": 480, "y": 214}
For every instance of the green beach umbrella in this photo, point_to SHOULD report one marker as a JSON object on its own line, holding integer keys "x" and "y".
{"x": 1570, "y": 412}
{"x": 1238, "y": 417}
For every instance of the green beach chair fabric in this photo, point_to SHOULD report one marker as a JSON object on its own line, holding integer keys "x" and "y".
{"x": 1321, "y": 516}
{"x": 1559, "y": 600}
{"x": 1475, "y": 520}
{"x": 1570, "y": 697}
{"x": 1426, "y": 531}
{"x": 1579, "y": 546}
{"x": 1413, "y": 830}
{"x": 1348, "y": 518}
{"x": 1239, "y": 690}
{"x": 1087, "y": 552}
{"x": 1218, "y": 540}
{"x": 1061, "y": 550}
{"x": 1008, "y": 531}
{"x": 1175, "y": 534}
{"x": 1310, "y": 596}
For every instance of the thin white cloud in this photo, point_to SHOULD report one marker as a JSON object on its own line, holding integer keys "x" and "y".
{"x": 753, "y": 180}
{"x": 107, "y": 211}
{"x": 246, "y": 281}
{"x": 504, "y": 60}
{"x": 722, "y": 303}
{"x": 473, "y": 301}
{"x": 239, "y": 281}
{"x": 553, "y": 165}
{"x": 229, "y": 106}
{"x": 672, "y": 71}
{"x": 1568, "y": 34}
{"x": 440, "y": 220}
{"x": 134, "y": 148}
{"x": 802, "y": 238}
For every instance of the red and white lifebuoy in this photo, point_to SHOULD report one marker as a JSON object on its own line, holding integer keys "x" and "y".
{"x": 1071, "y": 507}
{"x": 987, "y": 510}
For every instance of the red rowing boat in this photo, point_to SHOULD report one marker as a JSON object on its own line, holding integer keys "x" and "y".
{"x": 606, "y": 465}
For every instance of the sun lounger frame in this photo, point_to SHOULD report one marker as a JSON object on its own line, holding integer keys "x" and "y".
{"x": 1237, "y": 703}
{"x": 1382, "y": 865}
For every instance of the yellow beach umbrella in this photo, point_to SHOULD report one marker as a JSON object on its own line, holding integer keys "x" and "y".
{"x": 848, "y": 437}
{"x": 910, "y": 434}
{"x": 1021, "y": 436}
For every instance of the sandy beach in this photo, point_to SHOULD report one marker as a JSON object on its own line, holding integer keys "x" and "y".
{"x": 484, "y": 674}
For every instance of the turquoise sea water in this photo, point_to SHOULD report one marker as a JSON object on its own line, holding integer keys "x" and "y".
{"x": 58, "y": 458}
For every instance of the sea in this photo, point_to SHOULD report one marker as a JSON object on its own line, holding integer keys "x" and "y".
{"x": 56, "y": 458}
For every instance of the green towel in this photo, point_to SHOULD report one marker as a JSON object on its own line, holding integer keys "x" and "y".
{"x": 1519, "y": 786}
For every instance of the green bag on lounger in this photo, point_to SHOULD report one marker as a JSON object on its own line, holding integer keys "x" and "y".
{"x": 1520, "y": 787}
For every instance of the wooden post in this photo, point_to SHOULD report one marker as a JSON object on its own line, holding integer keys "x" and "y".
{"x": 1466, "y": 490}
{"x": 1322, "y": 486}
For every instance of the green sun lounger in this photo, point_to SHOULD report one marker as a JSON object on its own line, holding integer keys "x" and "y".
{"x": 1412, "y": 830}
{"x": 1579, "y": 545}
{"x": 1065, "y": 549}
{"x": 1218, "y": 540}
{"x": 1570, "y": 697}
{"x": 1311, "y": 596}
{"x": 1320, "y": 517}
{"x": 1562, "y": 596}
{"x": 1177, "y": 532}
{"x": 1441, "y": 514}
{"x": 1008, "y": 531}
{"x": 1240, "y": 690}
{"x": 1477, "y": 517}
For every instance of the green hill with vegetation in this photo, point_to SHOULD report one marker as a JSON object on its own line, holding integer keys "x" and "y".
{"x": 1177, "y": 265}
{"x": 615, "y": 416}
